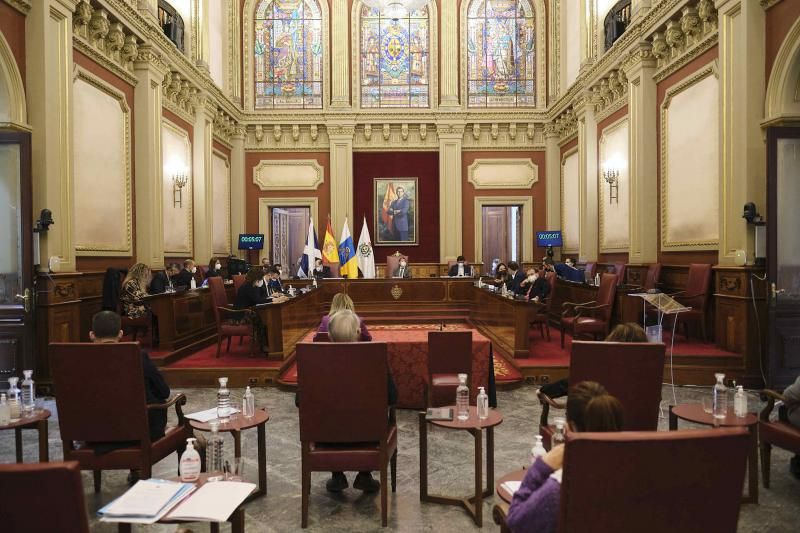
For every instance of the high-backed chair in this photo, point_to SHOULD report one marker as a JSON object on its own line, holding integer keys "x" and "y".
{"x": 334, "y": 269}
{"x": 593, "y": 317}
{"x": 226, "y": 317}
{"x": 449, "y": 354}
{"x": 590, "y": 270}
{"x": 321, "y": 336}
{"x": 393, "y": 262}
{"x": 469, "y": 269}
{"x": 100, "y": 398}
{"x": 357, "y": 431}
{"x": 43, "y": 497}
{"x": 778, "y": 433}
{"x": 659, "y": 482}
{"x": 238, "y": 281}
{"x": 652, "y": 276}
{"x": 696, "y": 295}
{"x": 542, "y": 316}
{"x": 619, "y": 270}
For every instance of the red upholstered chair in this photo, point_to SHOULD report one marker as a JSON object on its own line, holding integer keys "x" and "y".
{"x": 101, "y": 399}
{"x": 654, "y": 481}
{"x": 449, "y": 354}
{"x": 43, "y": 497}
{"x": 590, "y": 269}
{"x": 619, "y": 270}
{"x": 652, "y": 276}
{"x": 224, "y": 317}
{"x": 592, "y": 317}
{"x": 334, "y": 270}
{"x": 778, "y": 433}
{"x": 543, "y": 316}
{"x": 358, "y": 431}
{"x": 238, "y": 281}
{"x": 393, "y": 263}
{"x": 630, "y": 371}
{"x": 321, "y": 336}
{"x": 696, "y": 295}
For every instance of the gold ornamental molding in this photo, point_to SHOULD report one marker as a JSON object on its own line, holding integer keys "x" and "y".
{"x": 288, "y": 175}
{"x": 396, "y": 292}
{"x": 14, "y": 88}
{"x": 526, "y": 205}
{"x": 104, "y": 39}
{"x": 500, "y": 173}
{"x": 566, "y": 155}
{"x": 226, "y": 195}
{"x": 188, "y": 191}
{"x": 265, "y": 206}
{"x": 767, "y": 4}
{"x": 23, "y": 6}
{"x": 602, "y": 186}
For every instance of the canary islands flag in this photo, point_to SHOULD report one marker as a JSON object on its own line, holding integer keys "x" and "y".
{"x": 348, "y": 264}
{"x": 330, "y": 250}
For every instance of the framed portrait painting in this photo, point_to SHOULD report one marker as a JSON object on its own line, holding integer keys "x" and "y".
{"x": 395, "y": 211}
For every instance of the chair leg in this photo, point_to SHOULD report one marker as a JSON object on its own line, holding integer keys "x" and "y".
{"x": 766, "y": 452}
{"x": 393, "y": 465}
{"x": 306, "y": 490}
{"x": 228, "y": 349}
{"x": 703, "y": 328}
{"x": 146, "y": 472}
{"x": 241, "y": 340}
{"x": 384, "y": 497}
{"x": 562, "y": 335}
{"x": 98, "y": 478}
{"x": 541, "y": 329}
{"x": 547, "y": 328}
{"x": 219, "y": 346}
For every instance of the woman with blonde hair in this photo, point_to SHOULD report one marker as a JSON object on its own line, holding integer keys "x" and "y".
{"x": 340, "y": 302}
{"x": 134, "y": 289}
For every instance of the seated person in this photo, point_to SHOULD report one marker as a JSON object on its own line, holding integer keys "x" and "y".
{"x": 345, "y": 326}
{"x": 628, "y": 332}
{"x": 460, "y": 269}
{"x": 265, "y": 266}
{"x": 402, "y": 270}
{"x": 107, "y": 328}
{"x": 535, "y": 286}
{"x": 279, "y": 269}
{"x": 214, "y": 268}
{"x": 273, "y": 281}
{"x": 515, "y": 277}
{"x": 535, "y": 506}
{"x": 340, "y": 302}
{"x": 569, "y": 271}
{"x": 493, "y": 270}
{"x": 792, "y": 413}
{"x": 252, "y": 293}
{"x": 320, "y": 271}
{"x": 185, "y": 278}
{"x": 134, "y": 289}
{"x": 164, "y": 280}
{"x": 501, "y": 275}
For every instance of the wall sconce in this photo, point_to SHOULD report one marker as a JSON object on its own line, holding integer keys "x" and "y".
{"x": 179, "y": 180}
{"x": 611, "y": 172}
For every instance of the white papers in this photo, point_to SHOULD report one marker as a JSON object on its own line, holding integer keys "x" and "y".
{"x": 512, "y": 486}
{"x": 146, "y": 502}
{"x": 213, "y": 502}
{"x": 209, "y": 414}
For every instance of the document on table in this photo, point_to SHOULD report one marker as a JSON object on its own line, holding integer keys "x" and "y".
{"x": 209, "y": 414}
{"x": 213, "y": 502}
{"x": 146, "y": 502}
{"x": 512, "y": 486}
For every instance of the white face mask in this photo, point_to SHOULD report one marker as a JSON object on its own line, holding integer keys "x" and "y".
{"x": 532, "y": 277}
{"x": 194, "y": 270}
{"x": 217, "y": 266}
{"x": 461, "y": 263}
{"x": 260, "y": 283}
{"x": 402, "y": 264}
{"x": 319, "y": 268}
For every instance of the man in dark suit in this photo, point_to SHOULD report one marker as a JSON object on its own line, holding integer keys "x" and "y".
{"x": 320, "y": 271}
{"x": 399, "y": 210}
{"x": 163, "y": 280}
{"x": 535, "y": 286}
{"x": 403, "y": 270}
{"x": 274, "y": 284}
{"x": 515, "y": 277}
{"x": 185, "y": 277}
{"x": 460, "y": 269}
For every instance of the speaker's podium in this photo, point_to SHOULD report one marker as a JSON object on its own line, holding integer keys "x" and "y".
{"x": 664, "y": 305}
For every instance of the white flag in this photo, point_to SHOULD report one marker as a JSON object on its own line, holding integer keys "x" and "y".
{"x": 311, "y": 252}
{"x": 366, "y": 258}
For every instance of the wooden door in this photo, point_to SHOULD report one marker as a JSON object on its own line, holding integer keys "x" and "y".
{"x": 783, "y": 255}
{"x": 17, "y": 301}
{"x": 496, "y": 237}
{"x": 299, "y": 218}
{"x": 280, "y": 237}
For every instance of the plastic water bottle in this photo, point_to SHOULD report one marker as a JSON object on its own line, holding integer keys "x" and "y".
{"x": 558, "y": 437}
{"x": 214, "y": 450}
{"x": 740, "y": 402}
{"x": 720, "y": 398}
{"x": 248, "y": 403}
{"x": 223, "y": 401}
{"x": 190, "y": 462}
{"x": 28, "y": 394}
{"x": 483, "y": 404}
{"x": 14, "y": 398}
{"x": 462, "y": 398}
{"x": 538, "y": 449}
{"x": 597, "y": 279}
{"x": 5, "y": 411}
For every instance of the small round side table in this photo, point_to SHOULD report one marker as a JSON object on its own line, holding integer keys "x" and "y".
{"x": 38, "y": 422}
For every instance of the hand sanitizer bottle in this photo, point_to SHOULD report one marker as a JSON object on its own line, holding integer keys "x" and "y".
{"x": 483, "y": 404}
{"x": 248, "y": 403}
{"x": 190, "y": 462}
{"x": 5, "y": 411}
{"x": 740, "y": 402}
{"x": 538, "y": 449}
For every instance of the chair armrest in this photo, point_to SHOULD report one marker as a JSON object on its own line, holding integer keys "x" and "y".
{"x": 569, "y": 307}
{"x": 392, "y": 415}
{"x": 769, "y": 396}
{"x": 499, "y": 514}
{"x": 232, "y": 312}
{"x": 581, "y": 308}
{"x": 546, "y": 403}
{"x": 179, "y": 400}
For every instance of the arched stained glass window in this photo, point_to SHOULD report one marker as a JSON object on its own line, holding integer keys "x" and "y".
{"x": 288, "y": 54}
{"x": 501, "y": 53}
{"x": 395, "y": 66}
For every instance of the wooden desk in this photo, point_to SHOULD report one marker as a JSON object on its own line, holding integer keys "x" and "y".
{"x": 184, "y": 318}
{"x": 287, "y": 322}
{"x": 504, "y": 320}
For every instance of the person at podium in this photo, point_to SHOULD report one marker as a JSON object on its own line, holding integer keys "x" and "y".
{"x": 402, "y": 270}
{"x": 320, "y": 271}
{"x": 461, "y": 269}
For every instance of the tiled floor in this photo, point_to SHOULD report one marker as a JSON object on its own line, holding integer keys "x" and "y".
{"x": 450, "y": 472}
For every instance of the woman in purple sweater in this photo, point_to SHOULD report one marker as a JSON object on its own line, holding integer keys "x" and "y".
{"x": 342, "y": 301}
{"x": 535, "y": 505}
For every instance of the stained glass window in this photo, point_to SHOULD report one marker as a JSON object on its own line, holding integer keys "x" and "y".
{"x": 501, "y": 65}
{"x": 288, "y": 54}
{"x": 395, "y": 68}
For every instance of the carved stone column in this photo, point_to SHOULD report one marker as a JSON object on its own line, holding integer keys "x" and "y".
{"x": 450, "y": 227}
{"x": 587, "y": 32}
{"x": 743, "y": 151}
{"x": 341, "y": 171}
{"x": 449, "y": 54}
{"x": 150, "y": 70}
{"x": 202, "y": 180}
{"x": 238, "y": 183}
{"x": 587, "y": 177}
{"x": 553, "y": 174}
{"x": 639, "y": 68}
{"x": 200, "y": 35}
{"x": 340, "y": 52}
{"x": 48, "y": 52}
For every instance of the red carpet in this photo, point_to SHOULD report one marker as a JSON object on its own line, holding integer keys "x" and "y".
{"x": 238, "y": 357}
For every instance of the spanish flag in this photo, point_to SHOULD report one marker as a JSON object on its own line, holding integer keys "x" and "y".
{"x": 388, "y": 198}
{"x": 330, "y": 249}
{"x": 348, "y": 264}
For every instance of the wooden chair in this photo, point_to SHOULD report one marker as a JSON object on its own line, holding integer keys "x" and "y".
{"x": 100, "y": 398}
{"x": 619, "y": 270}
{"x": 542, "y": 318}
{"x": 630, "y": 371}
{"x": 334, "y": 269}
{"x": 223, "y": 313}
{"x": 688, "y": 481}
{"x": 238, "y": 281}
{"x": 357, "y": 431}
{"x": 43, "y": 497}
{"x": 778, "y": 433}
{"x": 590, "y": 270}
{"x": 449, "y": 354}
{"x": 321, "y": 336}
{"x": 652, "y": 276}
{"x": 574, "y": 316}
{"x": 697, "y": 296}
{"x": 393, "y": 263}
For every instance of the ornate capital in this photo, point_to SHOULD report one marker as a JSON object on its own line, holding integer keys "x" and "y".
{"x": 148, "y": 57}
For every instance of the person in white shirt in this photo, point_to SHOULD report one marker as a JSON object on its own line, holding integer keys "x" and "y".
{"x": 460, "y": 269}
{"x": 403, "y": 270}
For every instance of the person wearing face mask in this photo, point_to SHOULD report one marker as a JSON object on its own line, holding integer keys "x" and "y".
{"x": 403, "y": 270}
{"x": 535, "y": 286}
{"x": 272, "y": 281}
{"x": 320, "y": 271}
{"x": 252, "y": 292}
{"x": 164, "y": 280}
{"x": 501, "y": 275}
{"x": 186, "y": 277}
{"x": 214, "y": 268}
{"x": 515, "y": 277}
{"x": 460, "y": 269}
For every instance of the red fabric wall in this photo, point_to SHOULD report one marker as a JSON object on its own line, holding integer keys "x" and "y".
{"x": 422, "y": 165}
